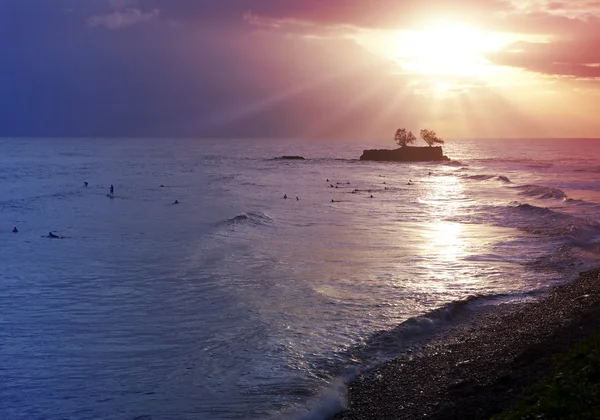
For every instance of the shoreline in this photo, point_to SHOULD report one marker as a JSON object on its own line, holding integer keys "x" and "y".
{"x": 479, "y": 368}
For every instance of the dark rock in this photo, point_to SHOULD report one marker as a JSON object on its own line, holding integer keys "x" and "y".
{"x": 405, "y": 154}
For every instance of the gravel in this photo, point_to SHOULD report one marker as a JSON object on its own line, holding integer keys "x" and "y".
{"x": 479, "y": 368}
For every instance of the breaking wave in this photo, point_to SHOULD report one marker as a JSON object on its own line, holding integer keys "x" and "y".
{"x": 540, "y": 191}
{"x": 248, "y": 219}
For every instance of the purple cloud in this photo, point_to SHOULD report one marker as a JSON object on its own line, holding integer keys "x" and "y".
{"x": 121, "y": 19}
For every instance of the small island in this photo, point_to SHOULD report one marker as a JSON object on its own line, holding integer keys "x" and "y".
{"x": 406, "y": 153}
{"x": 292, "y": 157}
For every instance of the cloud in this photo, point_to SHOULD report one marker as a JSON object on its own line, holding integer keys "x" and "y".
{"x": 121, "y": 19}
{"x": 393, "y": 14}
{"x": 290, "y": 69}
{"x": 580, "y": 58}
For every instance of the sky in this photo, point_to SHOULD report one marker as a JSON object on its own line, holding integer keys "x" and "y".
{"x": 326, "y": 69}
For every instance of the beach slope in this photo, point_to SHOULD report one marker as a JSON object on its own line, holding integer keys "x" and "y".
{"x": 479, "y": 368}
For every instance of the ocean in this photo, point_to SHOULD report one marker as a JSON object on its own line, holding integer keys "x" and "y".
{"x": 237, "y": 303}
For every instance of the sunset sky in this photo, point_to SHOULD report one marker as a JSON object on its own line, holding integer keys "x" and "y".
{"x": 300, "y": 68}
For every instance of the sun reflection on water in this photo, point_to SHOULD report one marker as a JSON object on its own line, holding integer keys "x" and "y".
{"x": 447, "y": 240}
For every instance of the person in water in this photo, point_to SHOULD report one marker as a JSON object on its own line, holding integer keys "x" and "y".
{"x": 176, "y": 202}
{"x": 15, "y": 230}
{"x": 112, "y": 190}
{"x": 53, "y": 236}
{"x": 85, "y": 183}
{"x": 285, "y": 196}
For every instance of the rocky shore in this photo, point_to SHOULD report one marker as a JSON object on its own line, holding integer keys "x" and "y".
{"x": 480, "y": 367}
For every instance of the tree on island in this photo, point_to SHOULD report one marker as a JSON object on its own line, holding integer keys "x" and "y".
{"x": 430, "y": 137}
{"x": 404, "y": 137}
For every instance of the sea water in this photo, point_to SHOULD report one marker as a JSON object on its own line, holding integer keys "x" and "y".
{"x": 237, "y": 303}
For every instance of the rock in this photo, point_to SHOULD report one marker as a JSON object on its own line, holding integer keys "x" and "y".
{"x": 405, "y": 154}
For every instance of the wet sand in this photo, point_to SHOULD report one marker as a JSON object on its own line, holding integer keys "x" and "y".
{"x": 480, "y": 367}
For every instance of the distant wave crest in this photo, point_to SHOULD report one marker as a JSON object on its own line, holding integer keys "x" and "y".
{"x": 248, "y": 219}
{"x": 591, "y": 169}
{"x": 486, "y": 177}
{"x": 455, "y": 163}
{"x": 542, "y": 192}
{"x": 479, "y": 177}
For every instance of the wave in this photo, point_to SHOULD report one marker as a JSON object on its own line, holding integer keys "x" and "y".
{"x": 576, "y": 231}
{"x": 513, "y": 160}
{"x": 386, "y": 344}
{"x": 479, "y": 177}
{"x": 592, "y": 170}
{"x": 535, "y": 209}
{"x": 26, "y": 202}
{"x": 486, "y": 177}
{"x": 455, "y": 163}
{"x": 547, "y": 222}
{"x": 541, "y": 191}
{"x": 248, "y": 219}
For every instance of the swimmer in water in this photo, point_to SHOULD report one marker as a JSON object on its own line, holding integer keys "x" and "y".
{"x": 53, "y": 236}
{"x": 176, "y": 202}
{"x": 15, "y": 230}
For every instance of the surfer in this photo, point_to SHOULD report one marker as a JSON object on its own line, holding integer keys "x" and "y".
{"x": 112, "y": 190}
{"x": 176, "y": 202}
{"x": 285, "y": 196}
{"x": 297, "y": 199}
{"x": 85, "y": 183}
{"x": 15, "y": 230}
{"x": 53, "y": 236}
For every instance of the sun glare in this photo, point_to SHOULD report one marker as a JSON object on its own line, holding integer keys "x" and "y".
{"x": 447, "y": 49}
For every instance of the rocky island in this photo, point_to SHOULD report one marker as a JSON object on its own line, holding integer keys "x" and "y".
{"x": 406, "y": 153}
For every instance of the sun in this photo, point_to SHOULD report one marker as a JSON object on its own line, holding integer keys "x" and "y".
{"x": 444, "y": 48}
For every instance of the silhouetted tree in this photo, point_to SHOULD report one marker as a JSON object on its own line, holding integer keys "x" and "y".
{"x": 404, "y": 137}
{"x": 430, "y": 137}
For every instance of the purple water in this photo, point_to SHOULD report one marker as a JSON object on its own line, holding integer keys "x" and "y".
{"x": 237, "y": 303}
